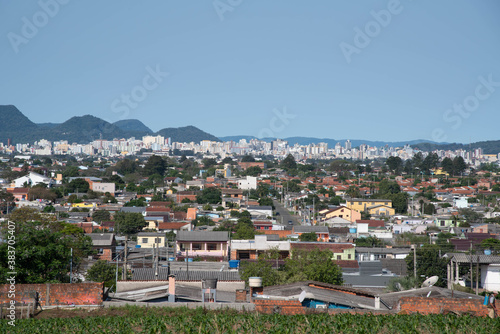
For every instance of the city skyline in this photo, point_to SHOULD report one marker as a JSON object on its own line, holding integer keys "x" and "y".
{"x": 387, "y": 70}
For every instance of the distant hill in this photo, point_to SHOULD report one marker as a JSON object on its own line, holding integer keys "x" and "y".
{"x": 331, "y": 142}
{"x": 489, "y": 147}
{"x": 186, "y": 134}
{"x": 14, "y": 125}
{"x": 133, "y": 125}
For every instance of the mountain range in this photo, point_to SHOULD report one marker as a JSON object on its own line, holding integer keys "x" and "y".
{"x": 14, "y": 125}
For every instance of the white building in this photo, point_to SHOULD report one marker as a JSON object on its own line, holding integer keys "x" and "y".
{"x": 249, "y": 183}
{"x": 32, "y": 179}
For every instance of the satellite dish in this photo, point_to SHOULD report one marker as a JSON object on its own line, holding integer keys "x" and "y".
{"x": 430, "y": 281}
{"x": 399, "y": 287}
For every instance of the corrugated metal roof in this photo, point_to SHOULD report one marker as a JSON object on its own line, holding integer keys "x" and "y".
{"x": 104, "y": 239}
{"x": 148, "y": 274}
{"x": 202, "y": 236}
{"x": 308, "y": 229}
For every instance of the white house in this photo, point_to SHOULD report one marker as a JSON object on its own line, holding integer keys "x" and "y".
{"x": 32, "y": 179}
{"x": 249, "y": 183}
{"x": 490, "y": 277}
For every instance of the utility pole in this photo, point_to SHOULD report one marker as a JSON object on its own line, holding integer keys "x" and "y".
{"x": 71, "y": 267}
{"x": 125, "y": 260}
{"x": 414, "y": 260}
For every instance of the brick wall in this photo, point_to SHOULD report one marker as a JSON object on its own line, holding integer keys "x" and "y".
{"x": 56, "y": 294}
{"x": 279, "y": 306}
{"x": 440, "y": 305}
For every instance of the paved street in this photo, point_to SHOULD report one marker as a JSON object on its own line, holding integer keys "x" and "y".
{"x": 284, "y": 216}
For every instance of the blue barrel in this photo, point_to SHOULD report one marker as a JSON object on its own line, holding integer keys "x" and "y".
{"x": 234, "y": 264}
{"x": 171, "y": 259}
{"x": 352, "y": 230}
{"x": 190, "y": 259}
{"x": 487, "y": 252}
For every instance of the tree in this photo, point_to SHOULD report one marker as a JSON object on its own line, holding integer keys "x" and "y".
{"x": 208, "y": 162}
{"x": 395, "y": 164}
{"x": 129, "y": 222}
{"x": 266, "y": 201}
{"x": 78, "y": 185}
{"x": 253, "y": 171}
{"x": 248, "y": 158}
{"x": 369, "y": 242}
{"x": 470, "y": 215}
{"x": 209, "y": 195}
{"x": 41, "y": 193}
{"x": 43, "y": 249}
{"x": 6, "y": 201}
{"x": 447, "y": 165}
{"x": 459, "y": 165}
{"x": 492, "y": 244}
{"x": 315, "y": 265}
{"x": 428, "y": 264}
{"x": 126, "y": 166}
{"x": 311, "y": 236}
{"x": 244, "y": 232}
{"x": 388, "y": 187}
{"x": 353, "y": 192}
{"x": 289, "y": 162}
{"x": 261, "y": 268}
{"x": 102, "y": 271}
{"x": 155, "y": 165}
{"x": 101, "y": 215}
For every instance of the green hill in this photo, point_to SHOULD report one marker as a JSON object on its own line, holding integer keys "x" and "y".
{"x": 186, "y": 134}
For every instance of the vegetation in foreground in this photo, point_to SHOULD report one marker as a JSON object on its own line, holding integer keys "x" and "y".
{"x": 183, "y": 320}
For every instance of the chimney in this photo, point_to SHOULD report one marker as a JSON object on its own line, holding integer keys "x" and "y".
{"x": 377, "y": 302}
{"x": 171, "y": 288}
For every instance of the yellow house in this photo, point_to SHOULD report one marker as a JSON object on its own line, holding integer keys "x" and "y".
{"x": 342, "y": 212}
{"x": 439, "y": 171}
{"x": 83, "y": 205}
{"x": 379, "y": 207}
{"x": 148, "y": 239}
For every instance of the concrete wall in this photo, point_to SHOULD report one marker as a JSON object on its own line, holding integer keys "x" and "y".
{"x": 55, "y": 294}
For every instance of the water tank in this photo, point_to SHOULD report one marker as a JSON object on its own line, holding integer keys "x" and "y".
{"x": 171, "y": 259}
{"x": 487, "y": 252}
{"x": 209, "y": 283}
{"x": 188, "y": 259}
{"x": 234, "y": 264}
{"x": 352, "y": 230}
{"x": 255, "y": 282}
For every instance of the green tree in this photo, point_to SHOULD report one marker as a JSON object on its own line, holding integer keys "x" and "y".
{"x": 311, "y": 236}
{"x": 492, "y": 244}
{"x": 261, "y": 268}
{"x": 244, "y": 232}
{"x": 129, "y": 222}
{"x": 395, "y": 164}
{"x": 369, "y": 242}
{"x": 155, "y": 165}
{"x": 101, "y": 215}
{"x": 43, "y": 250}
{"x": 289, "y": 163}
{"x": 102, "y": 271}
{"x": 315, "y": 265}
{"x": 459, "y": 165}
{"x": 248, "y": 158}
{"x": 78, "y": 185}
{"x": 266, "y": 201}
{"x": 447, "y": 165}
{"x": 210, "y": 195}
{"x": 126, "y": 166}
{"x": 428, "y": 264}
{"x": 253, "y": 171}
{"x": 471, "y": 216}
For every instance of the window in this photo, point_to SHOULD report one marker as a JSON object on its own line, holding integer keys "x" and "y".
{"x": 196, "y": 246}
{"x": 349, "y": 256}
{"x": 360, "y": 203}
{"x": 341, "y": 216}
{"x": 339, "y": 257}
{"x": 211, "y": 247}
{"x": 157, "y": 240}
{"x": 100, "y": 251}
{"x": 144, "y": 240}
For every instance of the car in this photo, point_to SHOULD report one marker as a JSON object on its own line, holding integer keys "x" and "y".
{"x": 290, "y": 222}
{"x": 277, "y": 213}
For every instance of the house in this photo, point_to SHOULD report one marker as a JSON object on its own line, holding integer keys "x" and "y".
{"x": 174, "y": 227}
{"x": 104, "y": 244}
{"x": 321, "y": 231}
{"x": 251, "y": 249}
{"x": 342, "y": 212}
{"x": 103, "y": 187}
{"x": 341, "y": 251}
{"x": 250, "y": 182}
{"x": 20, "y": 194}
{"x": 260, "y": 211}
{"x": 32, "y": 179}
{"x": 377, "y": 207}
{"x": 151, "y": 239}
{"x": 211, "y": 244}
{"x": 169, "y": 180}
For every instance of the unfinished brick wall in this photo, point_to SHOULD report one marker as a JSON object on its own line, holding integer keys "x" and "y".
{"x": 279, "y": 306}
{"x": 442, "y": 305}
{"x": 56, "y": 294}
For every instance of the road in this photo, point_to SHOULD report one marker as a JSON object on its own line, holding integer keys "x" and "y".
{"x": 284, "y": 215}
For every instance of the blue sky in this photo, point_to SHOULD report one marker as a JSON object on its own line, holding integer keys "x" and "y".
{"x": 424, "y": 70}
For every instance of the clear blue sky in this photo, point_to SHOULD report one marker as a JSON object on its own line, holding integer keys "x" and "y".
{"x": 230, "y": 68}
